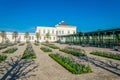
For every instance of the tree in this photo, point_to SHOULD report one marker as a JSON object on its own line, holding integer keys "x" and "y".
{"x": 15, "y": 35}
{"x": 26, "y": 36}
{"x": 47, "y": 36}
{"x": 3, "y": 35}
{"x": 37, "y": 36}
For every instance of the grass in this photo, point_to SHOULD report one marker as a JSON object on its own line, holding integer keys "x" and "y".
{"x": 70, "y": 65}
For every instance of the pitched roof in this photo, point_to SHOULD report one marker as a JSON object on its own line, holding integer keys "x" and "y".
{"x": 62, "y": 23}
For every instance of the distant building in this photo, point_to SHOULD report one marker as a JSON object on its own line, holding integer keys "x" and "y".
{"x": 54, "y": 32}
{"x": 60, "y": 29}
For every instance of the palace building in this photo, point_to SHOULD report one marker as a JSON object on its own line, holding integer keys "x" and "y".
{"x": 58, "y": 30}
{"x": 65, "y": 33}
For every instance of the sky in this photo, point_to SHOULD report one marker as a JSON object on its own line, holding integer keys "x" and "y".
{"x": 87, "y": 15}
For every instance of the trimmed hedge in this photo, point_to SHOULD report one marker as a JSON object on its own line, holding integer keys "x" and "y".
{"x": 70, "y": 65}
{"x": 3, "y": 58}
{"x": 108, "y": 55}
{"x": 12, "y": 50}
{"x": 45, "y": 49}
{"x": 73, "y": 52}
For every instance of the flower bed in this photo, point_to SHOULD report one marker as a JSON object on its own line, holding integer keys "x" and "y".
{"x": 29, "y": 52}
{"x": 45, "y": 49}
{"x": 21, "y": 44}
{"x": 71, "y": 65}
{"x": 51, "y": 46}
{"x": 11, "y": 50}
{"x": 108, "y": 55}
{"x": 3, "y": 58}
{"x": 74, "y": 52}
{"x": 3, "y": 47}
{"x": 11, "y": 44}
{"x": 36, "y": 44}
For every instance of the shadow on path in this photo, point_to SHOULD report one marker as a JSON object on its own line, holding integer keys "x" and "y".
{"x": 109, "y": 65}
{"x": 17, "y": 69}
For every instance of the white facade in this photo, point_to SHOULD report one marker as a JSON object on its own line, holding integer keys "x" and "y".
{"x": 21, "y": 37}
{"x": 60, "y": 29}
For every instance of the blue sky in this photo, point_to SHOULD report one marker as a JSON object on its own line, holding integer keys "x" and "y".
{"x": 87, "y": 15}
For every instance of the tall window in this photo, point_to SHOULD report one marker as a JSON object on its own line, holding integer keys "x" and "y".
{"x": 68, "y": 32}
{"x": 48, "y": 31}
{"x": 24, "y": 37}
{"x": 54, "y": 38}
{"x": 50, "y": 38}
{"x": 29, "y": 37}
{"x": 32, "y": 37}
{"x": 44, "y": 38}
{"x": 59, "y": 32}
{"x": 56, "y": 32}
{"x": 44, "y": 31}
{"x": 52, "y": 31}
{"x": 62, "y": 32}
{"x": 40, "y": 38}
{"x": 19, "y": 37}
{"x": 39, "y": 31}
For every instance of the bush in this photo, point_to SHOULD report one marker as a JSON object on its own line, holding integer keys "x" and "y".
{"x": 70, "y": 65}
{"x": 12, "y": 50}
{"x": 46, "y": 49}
{"x": 108, "y": 55}
{"x": 2, "y": 58}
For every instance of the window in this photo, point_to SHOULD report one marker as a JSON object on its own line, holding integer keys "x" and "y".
{"x": 68, "y": 32}
{"x": 24, "y": 37}
{"x": 32, "y": 37}
{"x": 59, "y": 32}
{"x": 73, "y": 31}
{"x": 29, "y": 37}
{"x": 56, "y": 32}
{"x": 48, "y": 31}
{"x": 44, "y": 38}
{"x": 50, "y": 38}
{"x": 40, "y": 38}
{"x": 62, "y": 32}
{"x": 54, "y": 38}
{"x": 43, "y": 31}
{"x": 52, "y": 31}
{"x": 19, "y": 37}
{"x": 39, "y": 31}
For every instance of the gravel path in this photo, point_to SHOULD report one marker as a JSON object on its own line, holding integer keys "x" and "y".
{"x": 45, "y": 68}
